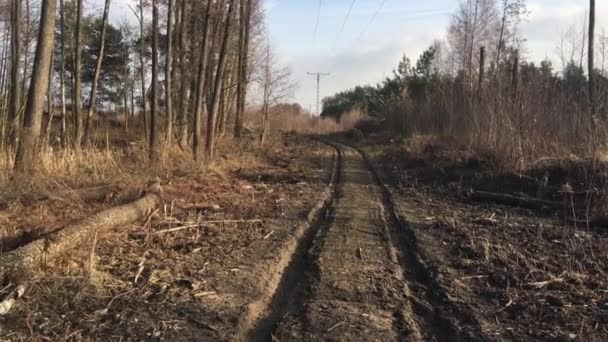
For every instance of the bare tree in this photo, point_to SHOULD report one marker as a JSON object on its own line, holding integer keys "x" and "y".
{"x": 168, "y": 79}
{"x": 154, "y": 152}
{"x": 62, "y": 75}
{"x": 185, "y": 84}
{"x": 276, "y": 85}
{"x": 591, "y": 56}
{"x": 28, "y": 146}
{"x": 98, "y": 65}
{"x": 201, "y": 82}
{"x": 77, "y": 92}
{"x": 15, "y": 83}
{"x": 219, "y": 77}
{"x": 244, "y": 34}
{"x": 142, "y": 63}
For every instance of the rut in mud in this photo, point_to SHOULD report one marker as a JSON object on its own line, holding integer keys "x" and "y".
{"x": 353, "y": 278}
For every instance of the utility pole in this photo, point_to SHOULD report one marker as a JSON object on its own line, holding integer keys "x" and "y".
{"x": 318, "y": 75}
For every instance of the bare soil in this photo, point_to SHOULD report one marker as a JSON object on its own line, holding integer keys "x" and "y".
{"x": 316, "y": 241}
{"x": 146, "y": 282}
{"x": 524, "y": 275}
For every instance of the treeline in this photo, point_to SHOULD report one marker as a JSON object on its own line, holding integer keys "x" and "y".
{"x": 180, "y": 76}
{"x": 478, "y": 86}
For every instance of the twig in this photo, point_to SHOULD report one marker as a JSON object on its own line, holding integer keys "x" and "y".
{"x": 336, "y": 325}
{"x": 9, "y": 301}
{"x": 190, "y": 226}
{"x": 542, "y": 284}
{"x": 474, "y": 277}
{"x": 92, "y": 257}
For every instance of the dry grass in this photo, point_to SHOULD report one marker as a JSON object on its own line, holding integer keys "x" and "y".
{"x": 314, "y": 125}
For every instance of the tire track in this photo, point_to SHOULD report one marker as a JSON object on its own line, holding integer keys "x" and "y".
{"x": 355, "y": 289}
{"x": 353, "y": 272}
{"x": 434, "y": 310}
{"x": 288, "y": 279}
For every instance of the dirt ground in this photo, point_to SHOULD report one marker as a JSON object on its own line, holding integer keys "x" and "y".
{"x": 523, "y": 274}
{"x": 189, "y": 272}
{"x": 317, "y": 241}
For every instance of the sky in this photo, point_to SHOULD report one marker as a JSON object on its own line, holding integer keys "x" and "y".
{"x": 365, "y": 47}
{"x": 360, "y": 52}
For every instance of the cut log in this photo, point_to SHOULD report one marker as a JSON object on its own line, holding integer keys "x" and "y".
{"x": 17, "y": 265}
{"x": 526, "y": 202}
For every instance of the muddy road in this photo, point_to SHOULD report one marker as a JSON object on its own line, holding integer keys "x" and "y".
{"x": 358, "y": 277}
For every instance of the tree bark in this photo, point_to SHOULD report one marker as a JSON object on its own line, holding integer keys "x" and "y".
{"x": 98, "y": 65}
{"x": 18, "y": 264}
{"x": 62, "y": 76}
{"x": 25, "y": 160}
{"x": 50, "y": 106}
{"x": 168, "y": 78}
{"x": 591, "y": 56}
{"x": 77, "y": 93}
{"x": 154, "y": 150}
{"x": 217, "y": 88}
{"x": 15, "y": 88}
{"x": 185, "y": 84}
{"x": 266, "y": 95}
{"x": 245, "y": 24}
{"x": 142, "y": 62}
{"x": 201, "y": 84}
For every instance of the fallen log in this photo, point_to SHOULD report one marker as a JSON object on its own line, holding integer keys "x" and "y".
{"x": 526, "y": 202}
{"x": 18, "y": 265}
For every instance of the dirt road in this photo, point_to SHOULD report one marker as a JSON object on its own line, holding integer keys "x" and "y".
{"x": 358, "y": 278}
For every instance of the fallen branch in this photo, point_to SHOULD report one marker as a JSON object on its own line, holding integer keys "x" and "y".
{"x": 19, "y": 263}
{"x": 542, "y": 284}
{"x": 195, "y": 225}
{"x": 336, "y": 325}
{"x": 527, "y": 202}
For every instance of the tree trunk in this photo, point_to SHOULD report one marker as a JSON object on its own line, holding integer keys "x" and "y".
{"x": 3, "y": 87}
{"x": 245, "y": 23}
{"x": 185, "y": 84}
{"x": 62, "y": 76}
{"x": 25, "y": 159}
{"x": 142, "y": 62}
{"x": 98, "y": 65}
{"x": 50, "y": 106}
{"x": 168, "y": 80}
{"x": 217, "y": 89}
{"x": 22, "y": 261}
{"x": 266, "y": 99}
{"x": 154, "y": 151}
{"x": 15, "y": 89}
{"x": 77, "y": 93}
{"x": 591, "y": 57}
{"x": 201, "y": 83}
{"x": 26, "y": 47}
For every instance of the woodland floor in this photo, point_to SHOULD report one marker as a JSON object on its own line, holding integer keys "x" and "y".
{"x": 387, "y": 248}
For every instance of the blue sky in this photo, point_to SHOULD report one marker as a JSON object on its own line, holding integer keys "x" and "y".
{"x": 363, "y": 53}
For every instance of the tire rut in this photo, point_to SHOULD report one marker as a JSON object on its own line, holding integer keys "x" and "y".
{"x": 287, "y": 287}
{"x": 355, "y": 273}
{"x": 434, "y": 309}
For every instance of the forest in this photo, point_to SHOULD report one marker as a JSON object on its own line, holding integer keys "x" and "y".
{"x": 160, "y": 178}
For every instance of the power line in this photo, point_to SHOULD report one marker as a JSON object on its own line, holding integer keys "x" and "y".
{"x": 318, "y": 19}
{"x": 350, "y": 10}
{"x": 371, "y": 20}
